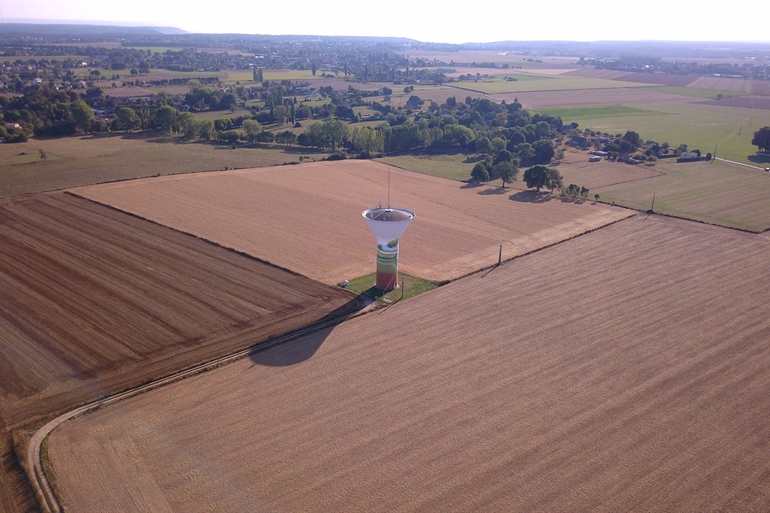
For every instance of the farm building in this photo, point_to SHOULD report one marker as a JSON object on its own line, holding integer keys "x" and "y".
{"x": 594, "y": 158}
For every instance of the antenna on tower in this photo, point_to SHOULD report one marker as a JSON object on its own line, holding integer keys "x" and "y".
{"x": 388, "y": 188}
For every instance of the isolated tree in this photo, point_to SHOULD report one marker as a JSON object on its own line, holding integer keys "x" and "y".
{"x": 82, "y": 114}
{"x": 506, "y": 171}
{"x": 762, "y": 139}
{"x": 252, "y": 128}
{"x": 596, "y": 197}
{"x": 536, "y": 176}
{"x": 480, "y": 173}
{"x": 313, "y": 68}
{"x": 43, "y": 154}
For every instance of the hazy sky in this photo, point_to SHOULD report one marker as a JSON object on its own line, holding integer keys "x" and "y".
{"x": 448, "y": 21}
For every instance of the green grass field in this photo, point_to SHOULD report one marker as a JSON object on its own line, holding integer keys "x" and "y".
{"x": 708, "y": 94}
{"x": 716, "y": 193}
{"x": 456, "y": 166}
{"x": 75, "y": 161}
{"x": 412, "y": 287}
{"x": 698, "y": 126}
{"x": 555, "y": 83}
{"x": 569, "y": 114}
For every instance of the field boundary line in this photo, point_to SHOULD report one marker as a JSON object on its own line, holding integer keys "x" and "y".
{"x": 490, "y": 268}
{"x": 36, "y": 473}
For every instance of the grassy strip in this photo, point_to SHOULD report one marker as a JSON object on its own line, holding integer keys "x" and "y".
{"x": 456, "y": 166}
{"x": 709, "y": 94}
{"x": 412, "y": 286}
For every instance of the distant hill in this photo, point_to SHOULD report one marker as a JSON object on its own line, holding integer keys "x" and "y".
{"x": 66, "y": 29}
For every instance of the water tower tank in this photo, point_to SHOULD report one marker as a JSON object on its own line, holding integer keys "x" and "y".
{"x": 387, "y": 224}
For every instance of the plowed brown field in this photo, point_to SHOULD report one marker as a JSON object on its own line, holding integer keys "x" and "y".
{"x": 626, "y": 370}
{"x": 93, "y": 300}
{"x": 307, "y": 218}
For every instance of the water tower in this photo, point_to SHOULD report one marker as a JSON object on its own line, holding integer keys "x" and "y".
{"x": 387, "y": 224}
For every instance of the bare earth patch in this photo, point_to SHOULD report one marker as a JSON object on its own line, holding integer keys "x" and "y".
{"x": 626, "y": 370}
{"x": 307, "y": 218}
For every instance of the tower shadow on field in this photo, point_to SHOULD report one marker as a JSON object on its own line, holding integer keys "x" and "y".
{"x": 298, "y": 350}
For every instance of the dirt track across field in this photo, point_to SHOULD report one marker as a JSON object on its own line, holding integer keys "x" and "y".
{"x": 626, "y": 370}
{"x": 307, "y": 218}
{"x": 93, "y": 301}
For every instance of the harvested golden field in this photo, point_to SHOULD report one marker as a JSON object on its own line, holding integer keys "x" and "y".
{"x": 625, "y": 370}
{"x": 622, "y": 96}
{"x": 307, "y": 218}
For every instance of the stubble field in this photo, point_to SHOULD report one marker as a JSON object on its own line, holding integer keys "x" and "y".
{"x": 307, "y": 218}
{"x": 626, "y": 370}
